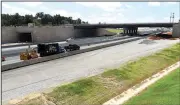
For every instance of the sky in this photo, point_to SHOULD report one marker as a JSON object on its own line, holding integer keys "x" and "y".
{"x": 104, "y": 12}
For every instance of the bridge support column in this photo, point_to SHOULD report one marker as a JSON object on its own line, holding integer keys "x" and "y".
{"x": 133, "y": 31}
{"x": 125, "y": 31}
{"x": 130, "y": 31}
{"x": 136, "y": 30}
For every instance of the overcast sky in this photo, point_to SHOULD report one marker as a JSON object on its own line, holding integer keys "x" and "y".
{"x": 94, "y": 12}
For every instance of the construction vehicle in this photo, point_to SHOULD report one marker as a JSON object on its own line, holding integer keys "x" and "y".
{"x": 2, "y": 58}
{"x": 29, "y": 54}
{"x": 72, "y": 47}
{"x": 49, "y": 49}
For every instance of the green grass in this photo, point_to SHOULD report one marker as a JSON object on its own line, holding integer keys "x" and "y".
{"x": 100, "y": 88}
{"x": 166, "y": 91}
{"x": 115, "y": 30}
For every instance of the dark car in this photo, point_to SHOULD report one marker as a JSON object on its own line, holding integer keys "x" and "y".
{"x": 61, "y": 49}
{"x": 72, "y": 47}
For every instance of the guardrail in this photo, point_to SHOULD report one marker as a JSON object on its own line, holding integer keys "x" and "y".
{"x": 52, "y": 57}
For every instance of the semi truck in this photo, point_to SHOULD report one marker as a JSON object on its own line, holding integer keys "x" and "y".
{"x": 54, "y": 48}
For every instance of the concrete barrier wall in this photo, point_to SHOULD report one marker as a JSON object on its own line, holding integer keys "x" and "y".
{"x": 52, "y": 57}
{"x": 24, "y": 29}
{"x": 9, "y": 35}
{"x": 176, "y": 30}
{"x": 52, "y": 34}
{"x": 49, "y": 33}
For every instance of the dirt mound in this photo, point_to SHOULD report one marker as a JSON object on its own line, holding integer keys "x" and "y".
{"x": 162, "y": 36}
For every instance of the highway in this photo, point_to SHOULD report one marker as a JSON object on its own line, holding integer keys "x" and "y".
{"x": 34, "y": 78}
{"x": 13, "y": 51}
{"x": 15, "y": 59}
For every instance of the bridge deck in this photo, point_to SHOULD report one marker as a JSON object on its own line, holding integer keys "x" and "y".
{"x": 124, "y": 25}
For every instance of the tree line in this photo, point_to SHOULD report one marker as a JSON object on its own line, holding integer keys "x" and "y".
{"x": 39, "y": 19}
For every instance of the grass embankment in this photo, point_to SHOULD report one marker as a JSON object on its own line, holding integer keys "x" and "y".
{"x": 100, "y": 88}
{"x": 166, "y": 91}
{"x": 115, "y": 30}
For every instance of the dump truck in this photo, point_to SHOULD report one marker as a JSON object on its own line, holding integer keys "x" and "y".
{"x": 29, "y": 54}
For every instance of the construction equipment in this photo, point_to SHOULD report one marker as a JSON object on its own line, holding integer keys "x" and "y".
{"x": 2, "y": 58}
{"x": 31, "y": 54}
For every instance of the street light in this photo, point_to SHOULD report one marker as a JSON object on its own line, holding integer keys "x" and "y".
{"x": 173, "y": 18}
{"x": 170, "y": 17}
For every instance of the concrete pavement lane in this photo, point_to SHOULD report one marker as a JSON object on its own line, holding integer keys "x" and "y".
{"x": 34, "y": 78}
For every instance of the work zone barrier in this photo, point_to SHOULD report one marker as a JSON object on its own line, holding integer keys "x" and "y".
{"x": 52, "y": 57}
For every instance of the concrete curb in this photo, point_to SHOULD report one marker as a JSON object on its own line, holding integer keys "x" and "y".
{"x": 52, "y": 57}
{"x": 133, "y": 91}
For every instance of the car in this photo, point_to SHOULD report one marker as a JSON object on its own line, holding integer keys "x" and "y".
{"x": 72, "y": 47}
{"x": 61, "y": 49}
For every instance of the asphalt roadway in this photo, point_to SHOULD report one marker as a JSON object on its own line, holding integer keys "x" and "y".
{"x": 35, "y": 78}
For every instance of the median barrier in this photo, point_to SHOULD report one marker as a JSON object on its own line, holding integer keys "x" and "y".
{"x": 52, "y": 57}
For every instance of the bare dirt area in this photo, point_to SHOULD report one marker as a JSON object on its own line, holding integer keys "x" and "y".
{"x": 163, "y": 36}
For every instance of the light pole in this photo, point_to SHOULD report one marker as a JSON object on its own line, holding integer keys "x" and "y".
{"x": 170, "y": 17}
{"x": 173, "y": 18}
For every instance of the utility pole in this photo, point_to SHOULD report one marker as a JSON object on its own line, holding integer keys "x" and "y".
{"x": 173, "y": 18}
{"x": 170, "y": 17}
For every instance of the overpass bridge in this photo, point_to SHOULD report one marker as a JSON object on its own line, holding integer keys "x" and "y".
{"x": 129, "y": 28}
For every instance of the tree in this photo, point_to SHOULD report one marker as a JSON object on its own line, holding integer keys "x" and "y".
{"x": 46, "y": 19}
{"x": 37, "y": 22}
{"x": 39, "y": 15}
{"x": 28, "y": 19}
{"x": 15, "y": 19}
{"x": 78, "y": 21}
{"x": 39, "y": 19}
{"x": 64, "y": 22}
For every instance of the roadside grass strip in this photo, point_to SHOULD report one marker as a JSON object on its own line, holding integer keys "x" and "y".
{"x": 165, "y": 91}
{"x": 123, "y": 97}
{"x": 98, "y": 89}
